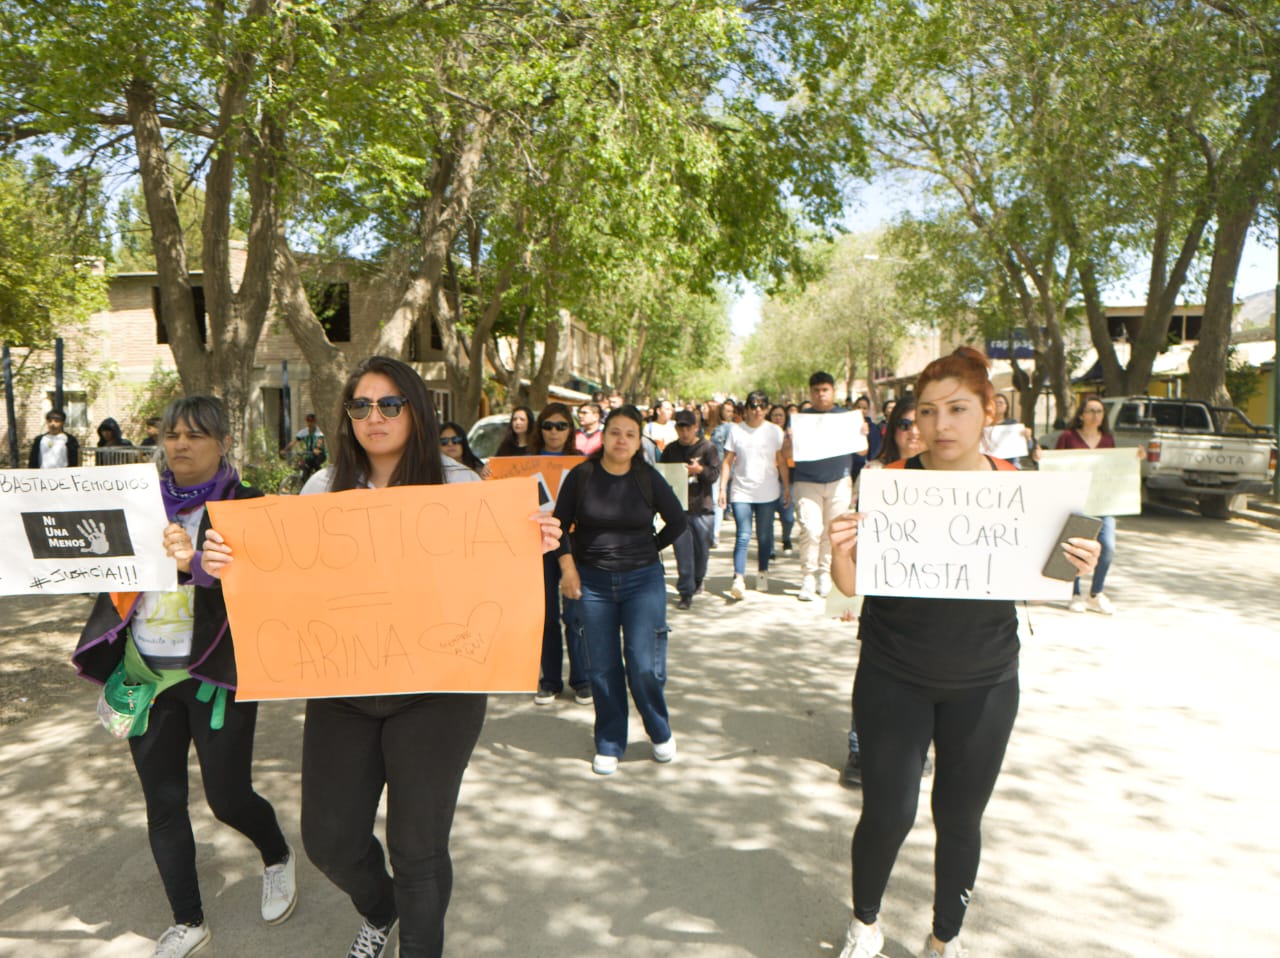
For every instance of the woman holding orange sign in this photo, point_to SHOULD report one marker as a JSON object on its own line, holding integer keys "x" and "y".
{"x": 416, "y": 746}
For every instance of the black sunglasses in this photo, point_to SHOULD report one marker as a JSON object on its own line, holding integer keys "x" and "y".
{"x": 389, "y": 406}
{"x": 757, "y": 405}
{"x": 451, "y": 440}
{"x": 905, "y": 424}
{"x": 556, "y": 425}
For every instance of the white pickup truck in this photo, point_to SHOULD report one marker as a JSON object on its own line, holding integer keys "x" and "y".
{"x": 1213, "y": 453}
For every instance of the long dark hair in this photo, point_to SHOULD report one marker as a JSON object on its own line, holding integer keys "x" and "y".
{"x": 529, "y": 417}
{"x": 420, "y": 463}
{"x": 625, "y": 412}
{"x": 469, "y": 458}
{"x": 535, "y": 429}
{"x": 889, "y": 445}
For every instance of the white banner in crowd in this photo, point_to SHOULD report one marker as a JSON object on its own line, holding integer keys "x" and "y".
{"x": 1006, "y": 441}
{"x": 826, "y": 435}
{"x": 677, "y": 476}
{"x": 963, "y": 535}
{"x": 98, "y": 529}
{"x": 1116, "y": 489}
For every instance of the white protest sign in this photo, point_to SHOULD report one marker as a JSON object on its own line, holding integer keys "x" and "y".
{"x": 826, "y": 435}
{"x": 98, "y": 529}
{"x": 1006, "y": 441}
{"x": 677, "y": 476}
{"x": 1116, "y": 489}
{"x": 962, "y": 535}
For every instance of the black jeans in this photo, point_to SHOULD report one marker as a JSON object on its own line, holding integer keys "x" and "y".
{"x": 896, "y": 721}
{"x": 177, "y": 720}
{"x": 418, "y": 747}
{"x": 692, "y": 549}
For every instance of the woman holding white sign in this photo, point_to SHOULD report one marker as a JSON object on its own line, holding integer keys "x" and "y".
{"x": 940, "y": 671}
{"x": 416, "y": 746}
{"x": 178, "y": 647}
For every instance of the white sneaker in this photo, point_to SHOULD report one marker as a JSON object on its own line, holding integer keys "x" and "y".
{"x": 1076, "y": 604}
{"x": 824, "y": 583}
{"x": 762, "y": 582}
{"x": 182, "y": 940}
{"x": 604, "y": 764}
{"x": 1100, "y": 603}
{"x": 739, "y": 588}
{"x": 664, "y": 751}
{"x": 862, "y": 941}
{"x": 279, "y": 890}
{"x": 808, "y": 589}
{"x": 952, "y": 949}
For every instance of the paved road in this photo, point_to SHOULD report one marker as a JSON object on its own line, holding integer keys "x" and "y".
{"x": 1135, "y": 815}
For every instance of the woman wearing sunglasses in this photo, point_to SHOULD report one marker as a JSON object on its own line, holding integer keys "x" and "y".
{"x": 941, "y": 671}
{"x": 757, "y": 469}
{"x": 416, "y": 745}
{"x": 453, "y": 443}
{"x": 555, "y": 436}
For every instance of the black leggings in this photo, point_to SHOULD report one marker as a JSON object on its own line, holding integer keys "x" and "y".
{"x": 896, "y": 721}
{"x": 417, "y": 746}
{"x": 177, "y": 720}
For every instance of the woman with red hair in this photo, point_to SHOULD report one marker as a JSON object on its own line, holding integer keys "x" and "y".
{"x": 941, "y": 671}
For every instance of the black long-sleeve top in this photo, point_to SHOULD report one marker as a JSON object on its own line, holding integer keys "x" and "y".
{"x": 613, "y": 528}
{"x": 702, "y": 487}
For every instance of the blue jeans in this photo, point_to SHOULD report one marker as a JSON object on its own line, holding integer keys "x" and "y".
{"x": 1107, "y": 539}
{"x": 787, "y": 514}
{"x": 743, "y": 513}
{"x": 692, "y": 550}
{"x": 553, "y": 644}
{"x": 635, "y": 604}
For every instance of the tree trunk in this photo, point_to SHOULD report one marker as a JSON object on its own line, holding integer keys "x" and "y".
{"x": 1113, "y": 374}
{"x": 1208, "y": 362}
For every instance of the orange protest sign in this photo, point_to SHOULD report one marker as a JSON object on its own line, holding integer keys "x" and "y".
{"x": 379, "y": 592}
{"x": 550, "y": 469}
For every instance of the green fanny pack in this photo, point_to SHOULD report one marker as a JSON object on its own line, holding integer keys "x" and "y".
{"x": 124, "y": 707}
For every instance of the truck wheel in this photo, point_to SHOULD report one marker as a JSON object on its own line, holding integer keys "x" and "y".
{"x": 1215, "y": 507}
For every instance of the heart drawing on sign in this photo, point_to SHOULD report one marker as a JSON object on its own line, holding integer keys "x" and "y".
{"x": 471, "y": 641}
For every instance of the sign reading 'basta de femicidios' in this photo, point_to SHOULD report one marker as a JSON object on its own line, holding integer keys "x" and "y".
{"x": 963, "y": 535}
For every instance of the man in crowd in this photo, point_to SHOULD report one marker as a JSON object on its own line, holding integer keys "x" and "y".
{"x": 590, "y": 435}
{"x": 56, "y": 448}
{"x": 702, "y": 462}
{"x": 822, "y": 489}
{"x": 310, "y": 445}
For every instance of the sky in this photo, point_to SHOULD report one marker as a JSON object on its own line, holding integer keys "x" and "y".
{"x": 881, "y": 202}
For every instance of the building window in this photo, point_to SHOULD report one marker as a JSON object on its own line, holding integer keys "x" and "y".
{"x": 332, "y": 306}
{"x": 75, "y": 403}
{"x": 202, "y": 321}
{"x": 443, "y": 403}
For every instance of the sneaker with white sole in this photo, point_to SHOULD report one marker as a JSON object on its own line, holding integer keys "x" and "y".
{"x": 824, "y": 584}
{"x": 808, "y": 589}
{"x": 762, "y": 582}
{"x": 181, "y": 940}
{"x": 544, "y": 696}
{"x": 604, "y": 764}
{"x": 664, "y": 751}
{"x": 952, "y": 949}
{"x": 1076, "y": 604}
{"x": 1100, "y": 603}
{"x": 583, "y": 696}
{"x": 371, "y": 940}
{"x": 862, "y": 941}
{"x": 279, "y": 890}
{"x": 739, "y": 588}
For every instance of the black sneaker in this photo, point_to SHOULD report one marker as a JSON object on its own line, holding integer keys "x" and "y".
{"x": 851, "y": 777}
{"x": 686, "y": 602}
{"x": 583, "y": 696}
{"x": 371, "y": 941}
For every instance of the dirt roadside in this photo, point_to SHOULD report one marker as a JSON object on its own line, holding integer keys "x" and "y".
{"x": 37, "y": 634}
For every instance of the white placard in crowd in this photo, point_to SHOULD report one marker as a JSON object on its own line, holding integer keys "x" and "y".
{"x": 1006, "y": 441}
{"x": 965, "y": 535}
{"x": 826, "y": 435}
{"x": 677, "y": 476}
{"x": 98, "y": 529}
{"x": 1116, "y": 489}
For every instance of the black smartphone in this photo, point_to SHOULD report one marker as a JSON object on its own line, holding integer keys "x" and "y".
{"x": 1076, "y": 527}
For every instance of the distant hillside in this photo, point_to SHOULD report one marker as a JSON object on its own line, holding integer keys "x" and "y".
{"x": 1255, "y": 311}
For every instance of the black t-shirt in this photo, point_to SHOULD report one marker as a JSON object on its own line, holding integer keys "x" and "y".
{"x": 613, "y": 530}
{"x": 944, "y": 643}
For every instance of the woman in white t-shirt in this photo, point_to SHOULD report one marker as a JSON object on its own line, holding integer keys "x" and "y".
{"x": 753, "y": 459}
